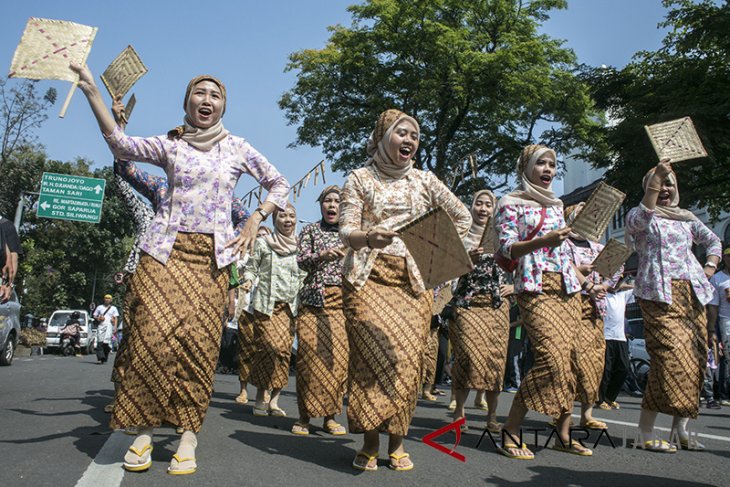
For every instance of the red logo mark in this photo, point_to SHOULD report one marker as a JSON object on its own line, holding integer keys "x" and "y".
{"x": 456, "y": 426}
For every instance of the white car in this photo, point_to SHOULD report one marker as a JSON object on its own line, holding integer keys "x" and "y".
{"x": 58, "y": 320}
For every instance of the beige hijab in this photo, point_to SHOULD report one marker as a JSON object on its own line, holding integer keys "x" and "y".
{"x": 673, "y": 211}
{"x": 376, "y": 149}
{"x": 282, "y": 244}
{"x": 472, "y": 239}
{"x": 201, "y": 139}
{"x": 529, "y": 194}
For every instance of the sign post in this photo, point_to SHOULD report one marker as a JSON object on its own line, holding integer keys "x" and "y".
{"x": 68, "y": 197}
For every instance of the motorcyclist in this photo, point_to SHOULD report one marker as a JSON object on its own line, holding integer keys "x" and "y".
{"x": 72, "y": 330}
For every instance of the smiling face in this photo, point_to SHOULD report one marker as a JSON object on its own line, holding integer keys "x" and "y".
{"x": 667, "y": 193}
{"x": 402, "y": 143}
{"x": 330, "y": 207}
{"x": 544, "y": 171}
{"x": 482, "y": 209}
{"x": 286, "y": 221}
{"x": 205, "y": 104}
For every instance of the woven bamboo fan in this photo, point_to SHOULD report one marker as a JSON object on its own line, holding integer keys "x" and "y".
{"x": 676, "y": 140}
{"x": 434, "y": 244}
{"x": 46, "y": 49}
{"x": 126, "y": 69}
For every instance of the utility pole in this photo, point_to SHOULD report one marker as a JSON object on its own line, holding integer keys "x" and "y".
{"x": 19, "y": 209}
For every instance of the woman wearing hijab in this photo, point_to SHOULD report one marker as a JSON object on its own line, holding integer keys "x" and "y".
{"x": 387, "y": 307}
{"x": 672, "y": 289}
{"x": 274, "y": 303}
{"x": 590, "y": 341}
{"x": 532, "y": 231}
{"x": 323, "y": 350}
{"x": 479, "y": 332}
{"x": 181, "y": 282}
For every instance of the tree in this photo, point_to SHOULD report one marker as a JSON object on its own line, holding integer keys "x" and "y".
{"x": 22, "y": 110}
{"x": 476, "y": 74}
{"x": 688, "y": 76}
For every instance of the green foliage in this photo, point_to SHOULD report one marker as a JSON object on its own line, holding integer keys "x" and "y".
{"x": 22, "y": 110}
{"x": 688, "y": 76}
{"x": 476, "y": 74}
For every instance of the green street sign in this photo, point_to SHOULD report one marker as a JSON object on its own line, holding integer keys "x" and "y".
{"x": 68, "y": 197}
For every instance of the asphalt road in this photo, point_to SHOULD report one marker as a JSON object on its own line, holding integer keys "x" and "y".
{"x": 53, "y": 431}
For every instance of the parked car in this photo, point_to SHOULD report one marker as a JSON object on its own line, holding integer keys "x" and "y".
{"x": 9, "y": 328}
{"x": 58, "y": 320}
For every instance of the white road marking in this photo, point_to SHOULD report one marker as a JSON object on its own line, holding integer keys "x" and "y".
{"x": 106, "y": 469}
{"x": 635, "y": 425}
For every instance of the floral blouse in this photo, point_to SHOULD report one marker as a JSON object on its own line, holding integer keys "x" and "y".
{"x": 203, "y": 181}
{"x": 664, "y": 248}
{"x": 486, "y": 278}
{"x": 586, "y": 255}
{"x": 312, "y": 240}
{"x": 141, "y": 215}
{"x": 514, "y": 223}
{"x": 369, "y": 200}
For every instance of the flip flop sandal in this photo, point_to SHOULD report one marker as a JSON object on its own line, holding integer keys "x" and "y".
{"x": 504, "y": 450}
{"x": 242, "y": 398}
{"x": 658, "y": 446}
{"x": 438, "y": 392}
{"x": 554, "y": 423}
{"x": 615, "y": 405}
{"x": 131, "y": 431}
{"x": 277, "y": 412}
{"x": 691, "y": 444}
{"x": 146, "y": 451}
{"x": 367, "y": 467}
{"x": 260, "y": 411}
{"x": 109, "y": 408}
{"x": 179, "y": 469}
{"x": 396, "y": 465}
{"x": 594, "y": 425}
{"x": 452, "y": 406}
{"x": 427, "y": 396}
{"x": 300, "y": 429}
{"x": 179, "y": 430}
{"x": 605, "y": 406}
{"x": 334, "y": 428}
{"x": 573, "y": 450}
{"x": 494, "y": 427}
{"x": 482, "y": 405}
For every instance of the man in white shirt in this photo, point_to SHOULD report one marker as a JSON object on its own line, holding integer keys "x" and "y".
{"x": 718, "y": 312}
{"x": 105, "y": 316}
{"x": 617, "y": 350}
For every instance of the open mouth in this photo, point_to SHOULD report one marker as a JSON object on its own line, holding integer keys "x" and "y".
{"x": 663, "y": 196}
{"x": 205, "y": 112}
{"x": 546, "y": 179}
{"x": 405, "y": 151}
{"x": 331, "y": 212}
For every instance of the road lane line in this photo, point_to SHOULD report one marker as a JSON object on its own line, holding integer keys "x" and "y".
{"x": 106, "y": 468}
{"x": 635, "y": 425}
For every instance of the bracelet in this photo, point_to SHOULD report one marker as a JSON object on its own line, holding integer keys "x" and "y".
{"x": 367, "y": 239}
{"x": 653, "y": 188}
{"x": 261, "y": 212}
{"x": 711, "y": 264}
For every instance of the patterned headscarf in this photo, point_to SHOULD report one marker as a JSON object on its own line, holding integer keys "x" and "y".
{"x": 201, "y": 139}
{"x": 528, "y": 193}
{"x": 378, "y": 139}
{"x": 323, "y": 224}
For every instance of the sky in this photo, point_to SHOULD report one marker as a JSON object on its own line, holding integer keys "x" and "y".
{"x": 246, "y": 44}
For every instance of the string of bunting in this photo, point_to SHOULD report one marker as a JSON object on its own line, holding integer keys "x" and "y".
{"x": 296, "y": 189}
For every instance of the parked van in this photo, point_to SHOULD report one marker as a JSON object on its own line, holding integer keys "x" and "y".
{"x": 58, "y": 320}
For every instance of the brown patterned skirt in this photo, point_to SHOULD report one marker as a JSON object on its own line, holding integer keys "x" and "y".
{"x": 174, "y": 343}
{"x": 590, "y": 349}
{"x": 676, "y": 340}
{"x": 273, "y": 337}
{"x": 551, "y": 320}
{"x": 246, "y": 346}
{"x": 322, "y": 356}
{"x": 430, "y": 356}
{"x": 480, "y": 336}
{"x": 387, "y": 325}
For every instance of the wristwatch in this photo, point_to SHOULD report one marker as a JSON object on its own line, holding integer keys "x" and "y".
{"x": 262, "y": 212}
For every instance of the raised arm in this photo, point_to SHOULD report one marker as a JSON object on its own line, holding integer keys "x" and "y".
{"x": 88, "y": 86}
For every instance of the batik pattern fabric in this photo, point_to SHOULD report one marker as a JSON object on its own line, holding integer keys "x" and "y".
{"x": 551, "y": 319}
{"x": 369, "y": 200}
{"x": 273, "y": 337}
{"x": 174, "y": 342}
{"x": 590, "y": 348}
{"x": 312, "y": 241}
{"x": 323, "y": 352}
{"x": 664, "y": 248}
{"x": 479, "y": 335}
{"x": 676, "y": 340}
{"x": 387, "y": 323}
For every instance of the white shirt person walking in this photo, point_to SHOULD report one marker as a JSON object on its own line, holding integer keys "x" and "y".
{"x": 105, "y": 316}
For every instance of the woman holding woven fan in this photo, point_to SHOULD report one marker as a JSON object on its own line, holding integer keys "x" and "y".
{"x": 672, "y": 289}
{"x": 532, "y": 233}
{"x": 387, "y": 307}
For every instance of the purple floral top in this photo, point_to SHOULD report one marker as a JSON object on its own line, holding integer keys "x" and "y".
{"x": 586, "y": 255}
{"x": 664, "y": 248}
{"x": 486, "y": 278}
{"x": 514, "y": 223}
{"x": 154, "y": 189}
{"x": 312, "y": 240}
{"x": 204, "y": 179}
